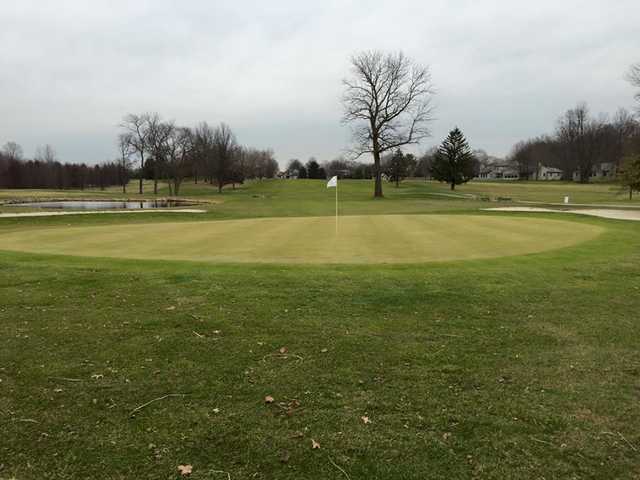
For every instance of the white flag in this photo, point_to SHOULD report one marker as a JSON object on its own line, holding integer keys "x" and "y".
{"x": 333, "y": 182}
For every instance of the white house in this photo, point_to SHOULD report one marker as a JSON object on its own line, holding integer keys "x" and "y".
{"x": 548, "y": 173}
{"x": 498, "y": 171}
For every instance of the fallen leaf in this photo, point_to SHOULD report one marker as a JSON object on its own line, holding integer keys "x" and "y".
{"x": 172, "y": 307}
{"x": 365, "y": 419}
{"x": 216, "y": 410}
{"x": 446, "y": 436}
{"x": 283, "y": 350}
{"x": 314, "y": 444}
{"x": 324, "y": 350}
{"x": 268, "y": 399}
{"x": 185, "y": 470}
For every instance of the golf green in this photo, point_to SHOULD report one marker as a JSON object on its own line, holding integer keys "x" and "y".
{"x": 360, "y": 239}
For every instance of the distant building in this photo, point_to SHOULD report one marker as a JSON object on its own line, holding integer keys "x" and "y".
{"x": 497, "y": 169}
{"x": 548, "y": 173}
{"x": 602, "y": 171}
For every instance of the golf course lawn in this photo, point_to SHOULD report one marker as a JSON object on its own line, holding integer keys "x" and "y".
{"x": 517, "y": 360}
{"x": 360, "y": 239}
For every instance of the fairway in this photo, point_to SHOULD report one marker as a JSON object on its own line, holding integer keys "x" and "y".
{"x": 361, "y": 239}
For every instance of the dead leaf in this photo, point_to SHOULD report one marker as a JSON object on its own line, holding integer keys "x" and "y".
{"x": 172, "y": 307}
{"x": 268, "y": 399}
{"x": 324, "y": 350}
{"x": 365, "y": 419}
{"x": 283, "y": 350}
{"x": 314, "y": 444}
{"x": 446, "y": 436}
{"x": 185, "y": 470}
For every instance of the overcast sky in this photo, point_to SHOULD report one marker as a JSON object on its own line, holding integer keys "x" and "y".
{"x": 504, "y": 71}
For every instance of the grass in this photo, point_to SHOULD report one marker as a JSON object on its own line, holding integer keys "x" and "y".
{"x": 361, "y": 239}
{"x": 512, "y": 367}
{"x": 552, "y": 192}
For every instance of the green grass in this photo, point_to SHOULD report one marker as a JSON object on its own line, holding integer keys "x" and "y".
{"x": 358, "y": 239}
{"x": 552, "y": 192}
{"x": 513, "y": 367}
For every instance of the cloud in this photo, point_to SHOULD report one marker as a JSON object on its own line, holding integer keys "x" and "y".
{"x": 70, "y": 70}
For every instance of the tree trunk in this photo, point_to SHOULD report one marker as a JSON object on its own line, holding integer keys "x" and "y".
{"x": 141, "y": 171}
{"x": 377, "y": 192}
{"x": 155, "y": 179}
{"x": 453, "y": 185}
{"x": 630, "y": 193}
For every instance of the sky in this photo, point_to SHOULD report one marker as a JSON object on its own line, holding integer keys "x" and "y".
{"x": 502, "y": 71}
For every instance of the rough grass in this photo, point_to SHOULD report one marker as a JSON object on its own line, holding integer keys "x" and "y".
{"x": 516, "y": 367}
{"x": 359, "y": 239}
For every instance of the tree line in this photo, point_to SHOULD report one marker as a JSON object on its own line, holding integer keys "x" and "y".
{"x": 164, "y": 151}
{"x": 46, "y": 171}
{"x": 579, "y": 144}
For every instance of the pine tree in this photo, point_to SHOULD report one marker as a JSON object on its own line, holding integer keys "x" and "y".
{"x": 454, "y": 163}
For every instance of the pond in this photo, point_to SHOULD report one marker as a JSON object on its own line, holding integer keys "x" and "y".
{"x": 103, "y": 204}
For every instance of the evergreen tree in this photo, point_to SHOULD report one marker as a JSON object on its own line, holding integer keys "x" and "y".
{"x": 399, "y": 166}
{"x": 629, "y": 174}
{"x": 453, "y": 163}
{"x": 313, "y": 168}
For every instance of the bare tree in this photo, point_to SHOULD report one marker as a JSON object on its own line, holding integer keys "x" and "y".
{"x": 204, "y": 149}
{"x": 12, "y": 151}
{"x": 46, "y": 154}
{"x": 180, "y": 142}
{"x": 159, "y": 135}
{"x": 137, "y": 128}
{"x": 225, "y": 150}
{"x": 633, "y": 76}
{"x": 387, "y": 100}
{"x": 124, "y": 160}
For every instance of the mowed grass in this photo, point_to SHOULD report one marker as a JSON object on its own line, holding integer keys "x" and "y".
{"x": 551, "y": 192}
{"x": 357, "y": 239}
{"x": 514, "y": 367}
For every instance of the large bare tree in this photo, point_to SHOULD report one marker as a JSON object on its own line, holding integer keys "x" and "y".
{"x": 634, "y": 78}
{"x": 387, "y": 101}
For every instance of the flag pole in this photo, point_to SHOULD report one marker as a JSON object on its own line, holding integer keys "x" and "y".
{"x": 336, "y": 206}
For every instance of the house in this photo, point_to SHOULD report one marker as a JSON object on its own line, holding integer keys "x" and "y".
{"x": 548, "y": 173}
{"x": 603, "y": 171}
{"x": 498, "y": 170}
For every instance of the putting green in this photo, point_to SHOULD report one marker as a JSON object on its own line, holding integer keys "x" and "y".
{"x": 361, "y": 239}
